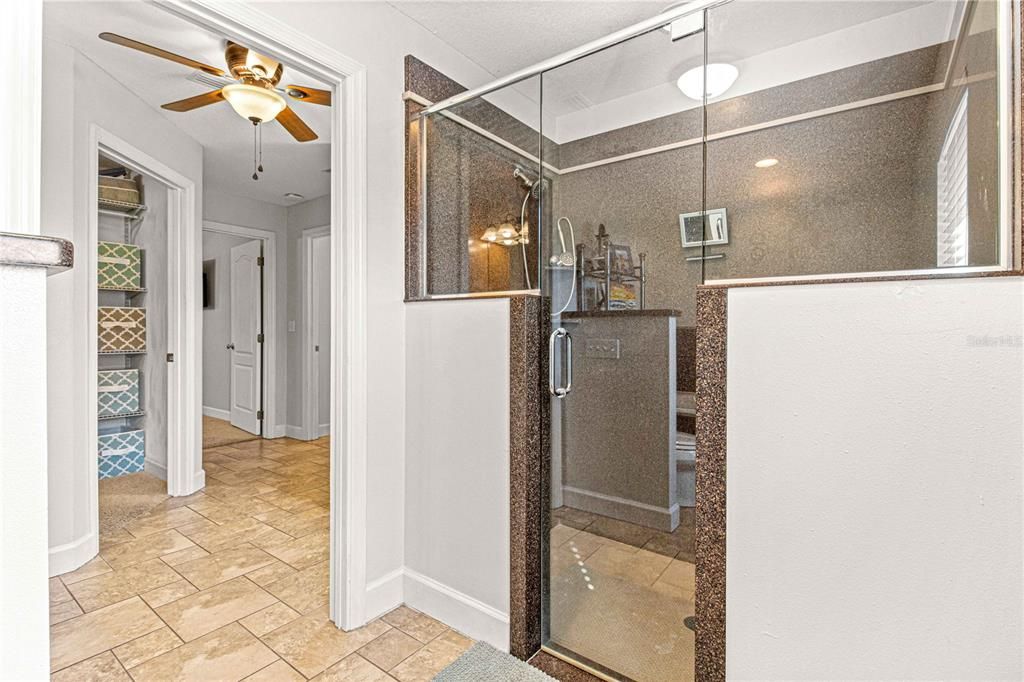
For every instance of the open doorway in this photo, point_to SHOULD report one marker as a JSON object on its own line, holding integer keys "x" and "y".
{"x": 252, "y": 523}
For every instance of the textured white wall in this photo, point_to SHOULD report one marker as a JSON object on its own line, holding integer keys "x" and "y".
{"x": 379, "y": 37}
{"x": 457, "y": 475}
{"x": 874, "y": 481}
{"x": 77, "y": 94}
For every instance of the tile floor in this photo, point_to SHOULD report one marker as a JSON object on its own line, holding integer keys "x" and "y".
{"x": 231, "y": 584}
{"x": 620, "y": 594}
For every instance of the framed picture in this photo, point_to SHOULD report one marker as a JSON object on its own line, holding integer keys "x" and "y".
{"x": 691, "y": 229}
{"x": 621, "y": 259}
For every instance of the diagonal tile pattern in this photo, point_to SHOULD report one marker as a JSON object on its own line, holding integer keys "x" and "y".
{"x": 231, "y": 583}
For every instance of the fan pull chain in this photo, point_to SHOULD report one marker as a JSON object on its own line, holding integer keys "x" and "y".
{"x": 255, "y": 126}
{"x": 260, "y": 167}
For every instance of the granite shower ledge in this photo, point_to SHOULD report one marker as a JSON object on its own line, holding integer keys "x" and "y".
{"x": 651, "y": 312}
{"x": 804, "y": 281}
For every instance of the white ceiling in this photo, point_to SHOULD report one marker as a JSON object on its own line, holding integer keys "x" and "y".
{"x": 227, "y": 140}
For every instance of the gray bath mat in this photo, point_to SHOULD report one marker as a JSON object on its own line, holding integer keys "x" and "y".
{"x": 484, "y": 662}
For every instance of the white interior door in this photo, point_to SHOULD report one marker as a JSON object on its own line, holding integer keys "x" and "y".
{"x": 320, "y": 265}
{"x": 245, "y": 347}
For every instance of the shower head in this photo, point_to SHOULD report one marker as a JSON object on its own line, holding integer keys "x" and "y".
{"x": 524, "y": 177}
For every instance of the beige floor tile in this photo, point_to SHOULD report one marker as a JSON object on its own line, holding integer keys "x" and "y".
{"x": 168, "y": 593}
{"x": 116, "y": 537}
{"x": 268, "y": 574}
{"x": 640, "y": 567}
{"x": 58, "y": 593}
{"x": 163, "y": 519}
{"x": 207, "y": 610}
{"x": 143, "y": 549}
{"x": 138, "y": 651}
{"x": 114, "y": 586}
{"x": 680, "y": 573}
{"x": 87, "y": 635}
{"x": 390, "y": 649}
{"x": 269, "y": 619}
{"x": 412, "y": 622}
{"x": 353, "y": 668}
{"x": 65, "y": 610}
{"x": 305, "y": 590}
{"x": 585, "y": 544}
{"x": 223, "y": 566}
{"x": 94, "y": 567}
{"x": 313, "y": 643}
{"x": 303, "y": 552}
{"x": 431, "y": 659}
{"x": 175, "y": 558}
{"x": 228, "y": 654}
{"x": 102, "y": 668}
{"x": 560, "y": 534}
{"x": 235, "y": 533}
{"x": 278, "y": 671}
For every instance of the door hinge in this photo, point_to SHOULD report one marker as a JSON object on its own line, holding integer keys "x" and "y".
{"x": 259, "y": 338}
{"x": 170, "y": 357}
{"x": 259, "y": 414}
{"x": 259, "y": 261}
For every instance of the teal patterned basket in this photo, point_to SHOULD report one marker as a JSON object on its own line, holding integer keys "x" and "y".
{"x": 117, "y": 392}
{"x": 121, "y": 453}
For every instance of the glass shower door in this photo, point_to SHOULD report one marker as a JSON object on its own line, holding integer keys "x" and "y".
{"x": 623, "y": 246}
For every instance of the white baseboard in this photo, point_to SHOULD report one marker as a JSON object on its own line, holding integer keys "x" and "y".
{"x": 279, "y": 431}
{"x": 661, "y": 518}
{"x": 384, "y": 594}
{"x": 323, "y": 430}
{"x": 464, "y": 613}
{"x": 216, "y": 413}
{"x": 156, "y": 469}
{"x": 199, "y": 481}
{"x": 72, "y": 555}
{"x": 296, "y": 432}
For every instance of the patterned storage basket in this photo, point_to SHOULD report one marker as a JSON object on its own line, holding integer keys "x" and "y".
{"x": 121, "y": 453}
{"x": 117, "y": 392}
{"x": 119, "y": 189}
{"x": 119, "y": 266}
{"x": 122, "y": 329}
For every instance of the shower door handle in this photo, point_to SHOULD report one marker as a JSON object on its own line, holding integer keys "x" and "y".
{"x": 559, "y": 391}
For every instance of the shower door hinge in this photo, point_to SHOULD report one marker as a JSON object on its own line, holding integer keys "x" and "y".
{"x": 259, "y": 338}
{"x": 687, "y": 26}
{"x": 259, "y": 414}
{"x": 259, "y": 261}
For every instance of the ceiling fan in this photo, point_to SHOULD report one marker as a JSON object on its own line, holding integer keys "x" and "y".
{"x": 250, "y": 86}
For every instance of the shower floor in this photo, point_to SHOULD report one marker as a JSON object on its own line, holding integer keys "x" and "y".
{"x": 619, "y": 602}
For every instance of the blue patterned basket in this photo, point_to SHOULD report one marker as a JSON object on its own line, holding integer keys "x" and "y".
{"x": 121, "y": 453}
{"x": 117, "y": 392}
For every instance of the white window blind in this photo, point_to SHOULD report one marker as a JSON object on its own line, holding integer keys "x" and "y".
{"x": 951, "y": 220}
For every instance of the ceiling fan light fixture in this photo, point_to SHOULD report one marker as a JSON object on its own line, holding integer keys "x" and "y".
{"x": 253, "y": 102}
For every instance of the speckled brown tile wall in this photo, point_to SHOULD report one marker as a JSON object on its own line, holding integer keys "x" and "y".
{"x": 709, "y": 645}
{"x": 526, "y": 418}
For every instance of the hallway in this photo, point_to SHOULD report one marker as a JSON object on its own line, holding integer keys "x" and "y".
{"x": 232, "y": 583}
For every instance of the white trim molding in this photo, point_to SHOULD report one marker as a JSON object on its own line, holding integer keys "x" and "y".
{"x": 663, "y": 518}
{"x": 216, "y": 413}
{"x": 310, "y": 393}
{"x": 347, "y": 78}
{"x": 270, "y": 369}
{"x": 460, "y": 611}
{"x": 385, "y": 593}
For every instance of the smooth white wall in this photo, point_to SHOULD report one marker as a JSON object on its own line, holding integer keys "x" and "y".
{"x": 76, "y": 95}
{"x": 379, "y": 37}
{"x": 217, "y": 322}
{"x": 874, "y": 480}
{"x": 457, "y": 470}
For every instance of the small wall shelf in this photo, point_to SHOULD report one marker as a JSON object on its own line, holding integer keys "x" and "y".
{"x": 126, "y": 415}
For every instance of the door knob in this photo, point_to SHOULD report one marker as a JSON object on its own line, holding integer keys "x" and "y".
{"x": 231, "y": 346}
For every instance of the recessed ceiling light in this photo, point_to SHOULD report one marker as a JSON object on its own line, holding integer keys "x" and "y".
{"x": 293, "y": 195}
{"x": 767, "y": 163}
{"x": 720, "y": 78}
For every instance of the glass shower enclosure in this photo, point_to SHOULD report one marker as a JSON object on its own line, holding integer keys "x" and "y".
{"x": 718, "y": 142}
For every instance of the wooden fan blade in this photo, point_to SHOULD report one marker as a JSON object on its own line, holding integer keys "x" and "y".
{"x": 307, "y": 94}
{"x": 190, "y": 103}
{"x": 295, "y": 125}
{"x": 157, "y": 52}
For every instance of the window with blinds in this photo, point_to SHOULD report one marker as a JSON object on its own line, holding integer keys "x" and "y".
{"x": 951, "y": 216}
